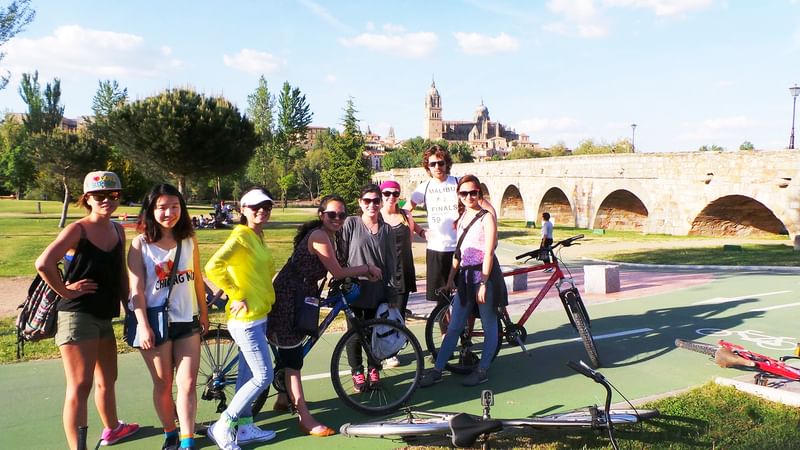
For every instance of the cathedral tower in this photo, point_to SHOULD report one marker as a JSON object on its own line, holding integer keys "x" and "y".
{"x": 433, "y": 114}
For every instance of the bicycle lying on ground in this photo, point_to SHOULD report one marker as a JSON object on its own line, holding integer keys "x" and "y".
{"x": 465, "y": 429}
{"x": 470, "y": 346}
{"x": 727, "y": 354}
{"x": 219, "y": 360}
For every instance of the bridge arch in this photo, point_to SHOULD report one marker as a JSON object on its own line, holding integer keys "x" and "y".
{"x": 556, "y": 202}
{"x": 737, "y": 215}
{"x": 511, "y": 204}
{"x": 621, "y": 210}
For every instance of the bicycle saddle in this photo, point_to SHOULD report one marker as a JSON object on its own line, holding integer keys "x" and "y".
{"x": 466, "y": 429}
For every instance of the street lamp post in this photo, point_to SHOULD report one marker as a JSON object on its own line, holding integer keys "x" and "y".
{"x": 633, "y": 137}
{"x": 795, "y": 91}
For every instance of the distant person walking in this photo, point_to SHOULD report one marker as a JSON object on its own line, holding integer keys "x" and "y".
{"x": 90, "y": 299}
{"x": 547, "y": 238}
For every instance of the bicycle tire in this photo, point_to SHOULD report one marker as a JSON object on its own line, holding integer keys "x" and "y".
{"x": 397, "y": 383}
{"x": 466, "y": 354}
{"x": 581, "y": 321}
{"x": 217, "y": 351}
{"x": 696, "y": 346}
{"x": 403, "y": 427}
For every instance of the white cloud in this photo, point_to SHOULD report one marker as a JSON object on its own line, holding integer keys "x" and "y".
{"x": 540, "y": 124}
{"x": 395, "y": 42}
{"x": 330, "y": 78}
{"x": 322, "y": 13}
{"x": 72, "y": 48}
{"x": 254, "y": 62}
{"x": 579, "y": 17}
{"x": 717, "y": 128}
{"x": 481, "y": 44}
{"x": 663, "y": 8}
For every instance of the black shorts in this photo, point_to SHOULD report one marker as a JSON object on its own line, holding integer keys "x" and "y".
{"x": 438, "y": 265}
{"x": 182, "y": 330}
{"x": 291, "y": 358}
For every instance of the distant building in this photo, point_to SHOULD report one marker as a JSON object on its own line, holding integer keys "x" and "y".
{"x": 374, "y": 146}
{"x": 66, "y": 124}
{"x": 485, "y": 137}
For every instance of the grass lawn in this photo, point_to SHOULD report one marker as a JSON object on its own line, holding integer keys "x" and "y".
{"x": 744, "y": 255}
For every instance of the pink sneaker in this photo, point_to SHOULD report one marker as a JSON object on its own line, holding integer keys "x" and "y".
{"x": 374, "y": 376}
{"x": 123, "y": 430}
{"x": 359, "y": 382}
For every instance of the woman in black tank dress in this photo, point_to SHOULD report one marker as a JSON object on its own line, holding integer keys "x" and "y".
{"x": 90, "y": 299}
{"x": 313, "y": 257}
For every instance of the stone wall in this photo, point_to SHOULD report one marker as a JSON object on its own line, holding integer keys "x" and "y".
{"x": 671, "y": 193}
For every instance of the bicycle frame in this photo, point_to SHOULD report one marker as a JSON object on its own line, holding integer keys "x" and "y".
{"x": 558, "y": 278}
{"x": 764, "y": 363}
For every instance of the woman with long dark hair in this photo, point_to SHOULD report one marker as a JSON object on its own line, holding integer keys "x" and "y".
{"x": 477, "y": 279}
{"x": 164, "y": 225}
{"x": 313, "y": 257}
{"x": 90, "y": 299}
{"x": 368, "y": 239}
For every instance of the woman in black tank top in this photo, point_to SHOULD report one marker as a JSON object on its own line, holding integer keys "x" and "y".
{"x": 90, "y": 299}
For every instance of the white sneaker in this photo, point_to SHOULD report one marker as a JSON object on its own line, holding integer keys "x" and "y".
{"x": 223, "y": 435}
{"x": 251, "y": 433}
{"x": 391, "y": 362}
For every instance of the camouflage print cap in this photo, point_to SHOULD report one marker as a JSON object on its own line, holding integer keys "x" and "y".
{"x": 101, "y": 181}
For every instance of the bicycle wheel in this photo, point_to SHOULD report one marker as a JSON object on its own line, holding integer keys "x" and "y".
{"x": 699, "y": 347}
{"x": 580, "y": 320}
{"x": 398, "y": 378}
{"x": 219, "y": 363}
{"x": 216, "y": 378}
{"x": 468, "y": 351}
{"x": 412, "y": 425}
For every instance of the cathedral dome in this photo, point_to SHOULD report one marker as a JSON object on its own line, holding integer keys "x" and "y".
{"x": 432, "y": 92}
{"x": 481, "y": 112}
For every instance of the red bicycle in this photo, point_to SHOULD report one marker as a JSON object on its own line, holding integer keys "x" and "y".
{"x": 727, "y": 354}
{"x": 470, "y": 347}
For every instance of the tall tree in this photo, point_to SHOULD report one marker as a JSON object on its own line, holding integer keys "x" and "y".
{"x": 13, "y": 19}
{"x": 260, "y": 110}
{"x": 31, "y": 94}
{"x": 347, "y": 170}
{"x": 67, "y": 155}
{"x": 180, "y": 133}
{"x": 53, "y": 111}
{"x": 294, "y": 116}
{"x": 17, "y": 168}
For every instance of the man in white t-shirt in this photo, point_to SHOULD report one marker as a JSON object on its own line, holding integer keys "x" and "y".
{"x": 440, "y": 199}
{"x": 547, "y": 237}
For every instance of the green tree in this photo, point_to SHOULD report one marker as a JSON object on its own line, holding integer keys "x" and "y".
{"x": 260, "y": 110}
{"x": 17, "y": 167}
{"x": 180, "y": 133}
{"x": 747, "y": 146}
{"x": 31, "y": 94}
{"x": 291, "y": 128}
{"x": 524, "y": 153}
{"x": 400, "y": 158}
{"x": 309, "y": 170}
{"x": 347, "y": 170}
{"x": 460, "y": 152}
{"x": 67, "y": 156}
{"x": 13, "y": 19}
{"x": 558, "y": 149}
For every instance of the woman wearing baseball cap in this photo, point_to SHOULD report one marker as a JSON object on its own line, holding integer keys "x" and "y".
{"x": 243, "y": 267}
{"x": 90, "y": 299}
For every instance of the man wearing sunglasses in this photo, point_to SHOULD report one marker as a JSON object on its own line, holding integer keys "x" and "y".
{"x": 440, "y": 199}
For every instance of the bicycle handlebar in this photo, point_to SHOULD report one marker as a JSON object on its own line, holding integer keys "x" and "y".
{"x": 564, "y": 242}
{"x": 583, "y": 369}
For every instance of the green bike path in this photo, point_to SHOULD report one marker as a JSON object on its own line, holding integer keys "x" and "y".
{"x": 634, "y": 337}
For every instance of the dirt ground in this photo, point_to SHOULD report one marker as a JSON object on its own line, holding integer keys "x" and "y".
{"x": 14, "y": 289}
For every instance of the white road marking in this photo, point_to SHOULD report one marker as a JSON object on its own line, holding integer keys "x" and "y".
{"x": 598, "y": 337}
{"x": 788, "y": 305}
{"x": 716, "y": 300}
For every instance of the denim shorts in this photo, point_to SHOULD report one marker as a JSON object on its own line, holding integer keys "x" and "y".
{"x": 74, "y": 326}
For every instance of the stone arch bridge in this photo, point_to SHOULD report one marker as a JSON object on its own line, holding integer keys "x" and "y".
{"x": 708, "y": 193}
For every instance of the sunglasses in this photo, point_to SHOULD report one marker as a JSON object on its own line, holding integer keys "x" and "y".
{"x": 335, "y": 215}
{"x": 464, "y": 194}
{"x": 101, "y": 196}
{"x": 266, "y": 206}
{"x": 391, "y": 194}
{"x": 433, "y": 164}
{"x": 375, "y": 201}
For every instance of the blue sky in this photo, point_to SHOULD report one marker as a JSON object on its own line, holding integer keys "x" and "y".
{"x": 687, "y": 72}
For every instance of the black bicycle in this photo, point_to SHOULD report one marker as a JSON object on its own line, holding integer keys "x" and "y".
{"x": 399, "y": 380}
{"x": 464, "y": 430}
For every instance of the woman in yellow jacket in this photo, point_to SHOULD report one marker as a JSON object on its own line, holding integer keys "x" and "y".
{"x": 243, "y": 267}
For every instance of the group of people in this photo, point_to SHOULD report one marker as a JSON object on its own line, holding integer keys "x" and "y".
{"x": 374, "y": 246}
